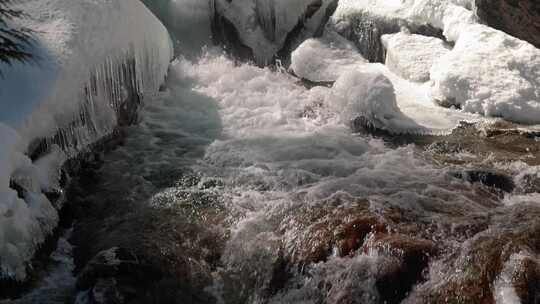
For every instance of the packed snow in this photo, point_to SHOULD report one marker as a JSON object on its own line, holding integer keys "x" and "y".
{"x": 491, "y": 73}
{"x": 324, "y": 59}
{"x": 75, "y": 40}
{"x": 412, "y": 56}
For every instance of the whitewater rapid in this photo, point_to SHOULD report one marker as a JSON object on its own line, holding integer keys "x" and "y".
{"x": 265, "y": 149}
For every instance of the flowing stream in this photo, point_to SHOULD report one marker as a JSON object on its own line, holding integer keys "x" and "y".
{"x": 254, "y": 191}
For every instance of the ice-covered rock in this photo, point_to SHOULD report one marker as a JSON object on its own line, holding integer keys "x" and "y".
{"x": 96, "y": 59}
{"x": 491, "y": 73}
{"x": 365, "y": 21}
{"x": 412, "y": 56}
{"x": 324, "y": 59}
{"x": 266, "y": 29}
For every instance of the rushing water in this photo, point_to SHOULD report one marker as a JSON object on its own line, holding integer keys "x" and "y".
{"x": 254, "y": 183}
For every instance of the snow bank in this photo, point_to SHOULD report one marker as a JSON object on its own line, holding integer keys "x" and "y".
{"x": 488, "y": 72}
{"x": 491, "y": 73}
{"x": 412, "y": 56}
{"x": 95, "y": 58}
{"x": 268, "y": 26}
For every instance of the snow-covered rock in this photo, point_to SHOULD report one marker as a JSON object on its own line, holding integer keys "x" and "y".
{"x": 487, "y": 72}
{"x": 412, "y": 56}
{"x": 96, "y": 59}
{"x": 491, "y": 73}
{"x": 417, "y": 114}
{"x": 365, "y": 21}
{"x": 324, "y": 59}
{"x": 368, "y": 97}
{"x": 265, "y": 29}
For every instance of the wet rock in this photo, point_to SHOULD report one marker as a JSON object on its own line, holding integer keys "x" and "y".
{"x": 412, "y": 256}
{"x": 352, "y": 235}
{"x": 519, "y": 18}
{"x": 526, "y": 280}
{"x": 469, "y": 275}
{"x": 314, "y": 233}
{"x": 493, "y": 179}
{"x": 474, "y": 143}
{"x": 530, "y": 183}
{"x": 114, "y": 275}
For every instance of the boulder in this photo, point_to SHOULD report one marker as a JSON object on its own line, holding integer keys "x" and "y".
{"x": 265, "y": 30}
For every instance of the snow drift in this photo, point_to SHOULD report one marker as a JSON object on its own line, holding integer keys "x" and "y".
{"x": 97, "y": 59}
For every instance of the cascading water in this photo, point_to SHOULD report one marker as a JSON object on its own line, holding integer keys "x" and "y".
{"x": 242, "y": 185}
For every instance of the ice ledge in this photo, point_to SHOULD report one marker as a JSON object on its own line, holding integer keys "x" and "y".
{"x": 98, "y": 59}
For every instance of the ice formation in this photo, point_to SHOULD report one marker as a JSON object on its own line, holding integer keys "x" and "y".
{"x": 268, "y": 26}
{"x": 94, "y": 58}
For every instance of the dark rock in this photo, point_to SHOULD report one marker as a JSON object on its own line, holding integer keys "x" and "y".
{"x": 497, "y": 180}
{"x": 519, "y": 18}
{"x": 526, "y": 280}
{"x": 225, "y": 33}
{"x": 411, "y": 255}
{"x": 469, "y": 275}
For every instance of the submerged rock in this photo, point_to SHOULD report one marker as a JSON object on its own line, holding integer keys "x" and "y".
{"x": 497, "y": 180}
{"x": 473, "y": 274}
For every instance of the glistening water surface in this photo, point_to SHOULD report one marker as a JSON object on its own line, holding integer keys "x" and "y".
{"x": 250, "y": 190}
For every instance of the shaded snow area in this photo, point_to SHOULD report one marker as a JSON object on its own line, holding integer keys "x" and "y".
{"x": 93, "y": 56}
{"x": 486, "y": 71}
{"x": 187, "y": 23}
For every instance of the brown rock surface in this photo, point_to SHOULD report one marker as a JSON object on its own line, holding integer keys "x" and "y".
{"x": 519, "y": 18}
